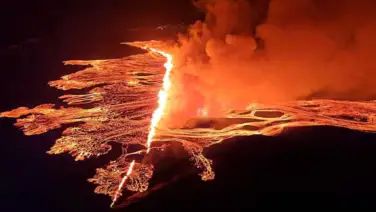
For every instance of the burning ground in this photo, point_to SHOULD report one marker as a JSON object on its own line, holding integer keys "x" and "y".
{"x": 120, "y": 105}
{"x": 241, "y": 72}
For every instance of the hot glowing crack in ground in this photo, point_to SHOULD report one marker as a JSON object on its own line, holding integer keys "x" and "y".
{"x": 162, "y": 97}
{"x": 123, "y": 180}
{"x": 157, "y": 114}
{"x": 126, "y": 102}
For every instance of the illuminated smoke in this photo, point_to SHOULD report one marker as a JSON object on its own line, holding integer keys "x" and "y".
{"x": 120, "y": 106}
{"x": 247, "y": 59}
{"x": 278, "y": 50}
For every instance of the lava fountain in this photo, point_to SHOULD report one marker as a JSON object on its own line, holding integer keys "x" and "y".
{"x": 125, "y": 100}
{"x": 162, "y": 97}
{"x": 156, "y": 116}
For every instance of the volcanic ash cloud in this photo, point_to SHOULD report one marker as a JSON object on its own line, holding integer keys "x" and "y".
{"x": 278, "y": 50}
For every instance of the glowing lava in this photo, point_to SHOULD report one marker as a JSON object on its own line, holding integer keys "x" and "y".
{"x": 162, "y": 97}
{"x": 120, "y": 188}
{"x": 117, "y": 105}
{"x": 156, "y": 117}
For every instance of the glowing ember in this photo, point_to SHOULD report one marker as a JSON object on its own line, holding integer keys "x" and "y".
{"x": 121, "y": 108}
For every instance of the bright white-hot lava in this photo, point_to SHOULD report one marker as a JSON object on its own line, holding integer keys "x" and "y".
{"x": 121, "y": 101}
{"x": 157, "y": 114}
{"x": 162, "y": 97}
{"x": 121, "y": 185}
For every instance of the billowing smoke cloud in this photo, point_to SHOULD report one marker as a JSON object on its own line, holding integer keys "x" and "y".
{"x": 277, "y": 50}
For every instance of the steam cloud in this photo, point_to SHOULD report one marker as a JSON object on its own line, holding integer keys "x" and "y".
{"x": 277, "y": 50}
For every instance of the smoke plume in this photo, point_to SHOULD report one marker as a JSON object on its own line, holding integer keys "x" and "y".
{"x": 277, "y": 50}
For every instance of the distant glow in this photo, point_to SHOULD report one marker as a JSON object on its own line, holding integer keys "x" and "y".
{"x": 203, "y": 112}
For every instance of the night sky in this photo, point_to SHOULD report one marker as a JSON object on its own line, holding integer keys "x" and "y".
{"x": 303, "y": 168}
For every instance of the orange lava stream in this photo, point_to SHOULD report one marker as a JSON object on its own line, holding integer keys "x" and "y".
{"x": 162, "y": 97}
{"x": 117, "y": 104}
{"x": 120, "y": 188}
{"x": 156, "y": 116}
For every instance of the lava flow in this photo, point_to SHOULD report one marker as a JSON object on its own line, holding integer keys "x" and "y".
{"x": 120, "y": 188}
{"x": 156, "y": 117}
{"x": 128, "y": 99}
{"x": 162, "y": 97}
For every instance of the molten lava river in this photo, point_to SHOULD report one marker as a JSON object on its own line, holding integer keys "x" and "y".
{"x": 125, "y": 103}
